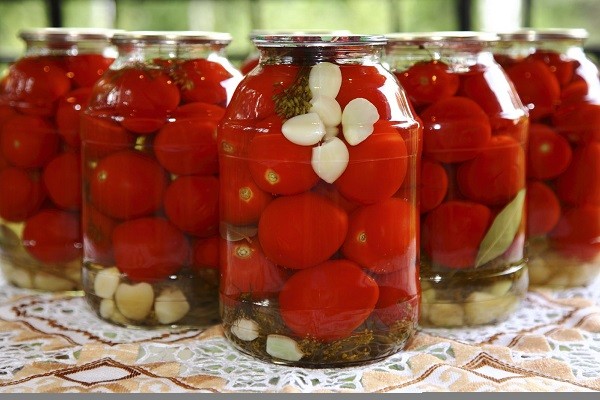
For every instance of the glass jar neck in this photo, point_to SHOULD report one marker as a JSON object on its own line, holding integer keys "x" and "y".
{"x": 520, "y": 48}
{"x": 310, "y": 55}
{"x": 457, "y": 56}
{"x": 144, "y": 52}
{"x": 68, "y": 47}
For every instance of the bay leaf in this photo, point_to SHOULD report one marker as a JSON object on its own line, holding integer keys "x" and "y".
{"x": 503, "y": 230}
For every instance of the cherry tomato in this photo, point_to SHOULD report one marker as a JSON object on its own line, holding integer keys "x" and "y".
{"x": 192, "y": 204}
{"x": 398, "y": 296}
{"x": 68, "y": 115}
{"x": 248, "y": 65}
{"x": 558, "y": 64}
{"x": 97, "y": 236}
{"x": 86, "y": 69}
{"x": 302, "y": 230}
{"x": 246, "y": 271}
{"x": 199, "y": 110}
{"x": 21, "y": 193}
{"x": 496, "y": 175}
{"x": 548, "y": 153}
{"x": 205, "y": 253}
{"x": 53, "y": 236}
{"x": 365, "y": 81}
{"x": 382, "y": 237}
{"x": 574, "y": 92}
{"x": 188, "y": 147}
{"x": 433, "y": 185}
{"x": 579, "y": 183}
{"x": 201, "y": 80}
{"x": 62, "y": 177}
{"x": 543, "y": 209}
{"x": 328, "y": 301}
{"x": 428, "y": 81}
{"x": 455, "y": 129}
{"x": 376, "y": 168}
{"x": 5, "y": 113}
{"x": 100, "y": 137}
{"x": 452, "y": 233}
{"x": 28, "y": 141}
{"x": 330, "y": 192}
{"x": 576, "y": 234}
{"x": 578, "y": 122}
{"x": 149, "y": 249}
{"x": 128, "y": 184}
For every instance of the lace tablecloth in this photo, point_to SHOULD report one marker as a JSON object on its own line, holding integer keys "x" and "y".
{"x": 54, "y": 343}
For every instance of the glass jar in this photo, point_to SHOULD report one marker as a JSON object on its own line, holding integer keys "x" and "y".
{"x": 560, "y": 86}
{"x": 41, "y": 98}
{"x": 472, "y": 182}
{"x": 151, "y": 184}
{"x": 318, "y": 155}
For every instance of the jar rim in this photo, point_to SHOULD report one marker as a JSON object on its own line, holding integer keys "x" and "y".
{"x": 67, "y": 34}
{"x": 441, "y": 36}
{"x": 332, "y": 39}
{"x": 171, "y": 37}
{"x": 270, "y": 32}
{"x": 538, "y": 34}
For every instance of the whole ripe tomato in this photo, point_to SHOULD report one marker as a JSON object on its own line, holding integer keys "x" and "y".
{"x": 382, "y": 237}
{"x": 377, "y": 166}
{"x": 149, "y": 249}
{"x": 53, "y": 236}
{"x": 21, "y": 193}
{"x": 576, "y": 234}
{"x": 68, "y": 115}
{"x": 199, "y": 110}
{"x": 127, "y": 185}
{"x": 246, "y": 271}
{"x": 302, "y": 230}
{"x": 62, "y": 178}
{"x": 330, "y": 192}
{"x": 5, "y": 113}
{"x": 97, "y": 236}
{"x": 579, "y": 122}
{"x": 188, "y": 147}
{"x": 543, "y": 209}
{"x": 428, "y": 81}
{"x": 579, "y": 183}
{"x": 28, "y": 141}
{"x": 101, "y": 136}
{"x": 328, "y": 301}
{"x": 433, "y": 185}
{"x": 86, "y": 69}
{"x": 365, "y": 81}
{"x": 496, "y": 175}
{"x": 398, "y": 296}
{"x": 548, "y": 153}
{"x": 455, "y": 129}
{"x": 192, "y": 204}
{"x": 452, "y": 233}
{"x": 200, "y": 80}
{"x": 560, "y": 65}
{"x": 205, "y": 253}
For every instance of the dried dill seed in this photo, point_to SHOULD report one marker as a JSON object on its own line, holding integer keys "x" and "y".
{"x": 294, "y": 100}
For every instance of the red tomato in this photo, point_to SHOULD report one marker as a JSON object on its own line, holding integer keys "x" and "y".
{"x": 5, "y": 113}
{"x": 576, "y": 234}
{"x": 127, "y": 185}
{"x": 496, "y": 175}
{"x": 62, "y": 177}
{"x": 452, "y": 233}
{"x": 559, "y": 65}
{"x": 28, "y": 141}
{"x": 376, "y": 168}
{"x": 21, "y": 194}
{"x": 53, "y": 236}
{"x": 86, "y": 69}
{"x": 97, "y": 236}
{"x": 382, "y": 237}
{"x": 302, "y": 230}
{"x": 579, "y": 184}
{"x": 330, "y": 192}
{"x": 578, "y": 122}
{"x": 100, "y": 137}
{"x": 199, "y": 110}
{"x": 328, "y": 301}
{"x": 548, "y": 153}
{"x": 428, "y": 81}
{"x": 68, "y": 115}
{"x": 543, "y": 209}
{"x": 433, "y": 185}
{"x": 149, "y": 249}
{"x": 246, "y": 271}
{"x": 398, "y": 296}
{"x": 192, "y": 204}
{"x": 201, "y": 80}
{"x": 188, "y": 147}
{"x": 455, "y": 129}
{"x": 205, "y": 253}
{"x": 367, "y": 82}
{"x": 574, "y": 92}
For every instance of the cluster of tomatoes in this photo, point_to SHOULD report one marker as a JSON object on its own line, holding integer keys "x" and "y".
{"x": 473, "y": 155}
{"x": 331, "y": 255}
{"x": 563, "y": 160}
{"x": 40, "y": 181}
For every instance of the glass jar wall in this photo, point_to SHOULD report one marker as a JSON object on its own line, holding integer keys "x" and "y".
{"x": 40, "y": 181}
{"x": 318, "y": 156}
{"x": 472, "y": 182}
{"x": 151, "y": 184}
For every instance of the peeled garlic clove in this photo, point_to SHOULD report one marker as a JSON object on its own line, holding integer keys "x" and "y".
{"x": 330, "y": 159}
{"x": 106, "y": 282}
{"x": 245, "y": 329}
{"x": 445, "y": 314}
{"x": 328, "y": 109}
{"x": 357, "y": 120}
{"x": 283, "y": 347}
{"x": 134, "y": 301}
{"x": 51, "y": 283}
{"x": 304, "y": 130}
{"x": 21, "y": 278}
{"x": 330, "y": 132}
{"x": 484, "y": 308}
{"x": 107, "y": 308}
{"x": 171, "y": 305}
{"x": 325, "y": 79}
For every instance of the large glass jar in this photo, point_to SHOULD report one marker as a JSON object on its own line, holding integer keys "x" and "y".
{"x": 40, "y": 180}
{"x": 472, "y": 182}
{"x": 560, "y": 86}
{"x": 318, "y": 155}
{"x": 151, "y": 184}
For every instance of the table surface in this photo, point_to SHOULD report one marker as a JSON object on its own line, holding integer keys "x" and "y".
{"x": 54, "y": 343}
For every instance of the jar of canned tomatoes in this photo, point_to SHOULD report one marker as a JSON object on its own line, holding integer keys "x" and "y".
{"x": 560, "y": 86}
{"x": 151, "y": 179}
{"x": 41, "y": 97}
{"x": 318, "y": 156}
{"x": 472, "y": 177}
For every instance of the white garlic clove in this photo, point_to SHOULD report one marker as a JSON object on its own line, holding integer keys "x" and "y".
{"x": 328, "y": 109}
{"x": 106, "y": 282}
{"x": 283, "y": 347}
{"x": 358, "y": 118}
{"x": 484, "y": 308}
{"x": 331, "y": 132}
{"x": 134, "y": 301}
{"x": 21, "y": 278}
{"x": 304, "y": 130}
{"x": 171, "y": 305}
{"x": 330, "y": 159}
{"x": 445, "y": 314}
{"x": 245, "y": 329}
{"x": 499, "y": 288}
{"x": 325, "y": 79}
{"x": 52, "y": 283}
{"x": 107, "y": 308}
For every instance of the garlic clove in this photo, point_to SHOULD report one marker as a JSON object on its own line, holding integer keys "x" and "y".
{"x": 484, "y": 308}
{"x": 134, "y": 301}
{"x": 358, "y": 118}
{"x": 325, "y": 79}
{"x": 52, "y": 283}
{"x": 304, "y": 130}
{"x": 328, "y": 110}
{"x": 330, "y": 159}
{"x": 21, "y": 278}
{"x": 245, "y": 329}
{"x": 106, "y": 282}
{"x": 283, "y": 347}
{"x": 107, "y": 308}
{"x": 445, "y": 314}
{"x": 331, "y": 132}
{"x": 171, "y": 305}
